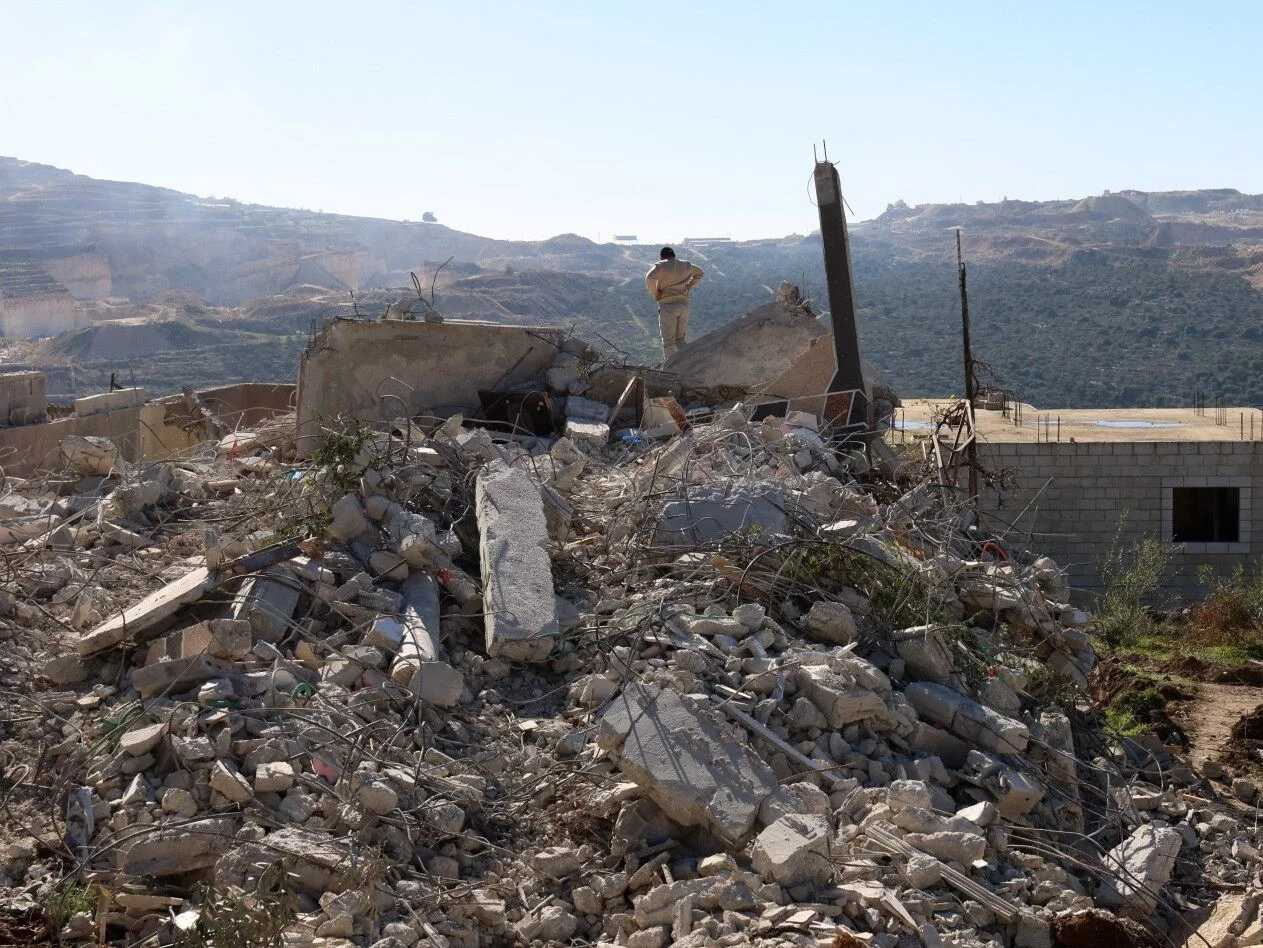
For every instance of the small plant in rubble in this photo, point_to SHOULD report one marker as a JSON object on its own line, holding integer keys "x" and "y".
{"x": 339, "y": 457}
{"x": 235, "y": 919}
{"x": 1132, "y": 575}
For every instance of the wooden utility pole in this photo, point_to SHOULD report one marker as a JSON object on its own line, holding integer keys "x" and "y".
{"x": 970, "y": 387}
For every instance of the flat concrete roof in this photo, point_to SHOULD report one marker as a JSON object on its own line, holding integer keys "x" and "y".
{"x": 1092, "y": 424}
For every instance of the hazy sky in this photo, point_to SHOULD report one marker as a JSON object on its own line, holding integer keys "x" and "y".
{"x": 527, "y": 119}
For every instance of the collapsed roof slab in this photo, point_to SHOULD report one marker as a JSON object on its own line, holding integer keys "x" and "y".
{"x": 380, "y": 370}
{"x": 744, "y": 355}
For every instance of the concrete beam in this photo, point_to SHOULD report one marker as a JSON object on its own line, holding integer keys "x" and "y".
{"x": 517, "y": 576}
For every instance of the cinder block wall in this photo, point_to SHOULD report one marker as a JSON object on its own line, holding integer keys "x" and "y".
{"x": 1071, "y": 498}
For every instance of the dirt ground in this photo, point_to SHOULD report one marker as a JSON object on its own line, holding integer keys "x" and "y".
{"x": 1209, "y": 719}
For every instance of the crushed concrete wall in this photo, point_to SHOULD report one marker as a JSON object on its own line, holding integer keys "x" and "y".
{"x": 1072, "y": 497}
{"x": 172, "y": 427}
{"x": 29, "y": 448}
{"x": 381, "y": 370}
{"x": 23, "y": 398}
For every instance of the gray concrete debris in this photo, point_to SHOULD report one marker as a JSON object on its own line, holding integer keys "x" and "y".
{"x": 968, "y": 719}
{"x": 832, "y": 622}
{"x": 1140, "y": 866}
{"x": 707, "y": 515}
{"x": 795, "y": 849}
{"x": 267, "y": 603}
{"x": 841, "y": 701}
{"x": 176, "y": 850}
{"x": 926, "y": 654}
{"x": 678, "y": 755}
{"x": 517, "y": 576}
{"x": 714, "y": 743}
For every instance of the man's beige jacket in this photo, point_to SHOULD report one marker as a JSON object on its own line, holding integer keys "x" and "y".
{"x": 670, "y": 280}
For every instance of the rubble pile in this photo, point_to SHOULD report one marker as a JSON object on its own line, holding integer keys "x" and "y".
{"x": 455, "y": 687}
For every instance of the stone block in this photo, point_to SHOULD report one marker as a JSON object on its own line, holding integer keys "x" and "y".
{"x": 518, "y": 594}
{"x": 709, "y": 514}
{"x": 349, "y": 519}
{"x": 832, "y": 622}
{"x": 273, "y": 777}
{"x": 925, "y": 652}
{"x": 173, "y": 676}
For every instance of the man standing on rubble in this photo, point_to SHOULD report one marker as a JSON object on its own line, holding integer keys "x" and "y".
{"x": 669, "y": 282}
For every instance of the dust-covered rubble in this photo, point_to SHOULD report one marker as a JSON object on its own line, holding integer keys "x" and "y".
{"x": 445, "y": 685}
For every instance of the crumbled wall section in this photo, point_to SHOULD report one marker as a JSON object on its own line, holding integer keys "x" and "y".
{"x": 381, "y": 370}
{"x": 1072, "y": 496}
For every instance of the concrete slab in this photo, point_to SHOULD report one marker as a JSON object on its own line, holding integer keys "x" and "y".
{"x": 150, "y": 614}
{"x": 709, "y": 514}
{"x": 747, "y": 353}
{"x": 175, "y": 850}
{"x": 517, "y": 575}
{"x": 679, "y": 756}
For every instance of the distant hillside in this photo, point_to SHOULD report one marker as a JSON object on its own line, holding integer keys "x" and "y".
{"x": 1123, "y": 298}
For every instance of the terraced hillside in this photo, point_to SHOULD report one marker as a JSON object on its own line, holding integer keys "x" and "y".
{"x": 1130, "y": 298}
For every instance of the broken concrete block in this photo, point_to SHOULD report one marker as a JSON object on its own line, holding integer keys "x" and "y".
{"x": 925, "y": 653}
{"x": 710, "y": 514}
{"x": 172, "y": 676}
{"x": 176, "y": 850}
{"x": 591, "y": 433}
{"x": 832, "y": 622}
{"x": 1141, "y": 866}
{"x": 794, "y": 799}
{"x": 1016, "y": 793}
{"x": 273, "y": 777}
{"x": 438, "y": 683}
{"x": 962, "y": 848}
{"x": 228, "y": 781}
{"x": 679, "y": 756}
{"x": 374, "y": 793}
{"x": 839, "y": 700}
{"x": 65, "y": 670}
{"x": 388, "y": 564}
{"x": 795, "y": 849}
{"x": 228, "y": 639}
{"x": 89, "y": 455}
{"x": 518, "y": 594}
{"x": 267, "y": 603}
{"x": 349, "y": 519}
{"x": 967, "y": 718}
{"x": 553, "y": 925}
{"x": 320, "y": 864}
{"x": 922, "y": 871}
{"x": 902, "y": 794}
{"x": 140, "y": 741}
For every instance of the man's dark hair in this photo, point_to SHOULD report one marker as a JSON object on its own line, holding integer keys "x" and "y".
{"x": 666, "y": 253}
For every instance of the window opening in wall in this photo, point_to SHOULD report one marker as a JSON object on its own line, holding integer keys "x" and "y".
{"x": 1205, "y": 514}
